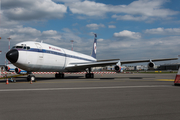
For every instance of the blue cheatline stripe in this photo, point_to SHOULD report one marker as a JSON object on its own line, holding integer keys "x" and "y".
{"x": 55, "y": 53}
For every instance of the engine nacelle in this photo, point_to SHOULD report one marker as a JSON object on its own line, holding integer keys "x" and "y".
{"x": 9, "y": 68}
{"x": 118, "y": 68}
{"x": 151, "y": 65}
{"x": 20, "y": 71}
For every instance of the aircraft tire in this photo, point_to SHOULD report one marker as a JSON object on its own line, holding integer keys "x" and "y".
{"x": 28, "y": 78}
{"x": 31, "y": 77}
{"x": 59, "y": 76}
{"x": 56, "y": 75}
{"x": 89, "y": 75}
{"x": 62, "y": 75}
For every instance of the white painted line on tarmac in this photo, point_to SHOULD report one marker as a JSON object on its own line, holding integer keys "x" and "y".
{"x": 83, "y": 88}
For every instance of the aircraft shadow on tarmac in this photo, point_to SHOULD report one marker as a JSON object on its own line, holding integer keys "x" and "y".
{"x": 133, "y": 77}
{"x": 24, "y": 79}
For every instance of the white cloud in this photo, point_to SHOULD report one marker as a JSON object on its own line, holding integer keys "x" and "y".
{"x": 89, "y": 8}
{"x": 27, "y": 10}
{"x": 94, "y": 26}
{"x": 51, "y": 35}
{"x": 70, "y": 35}
{"x": 100, "y": 40}
{"x": 129, "y": 17}
{"x": 66, "y": 1}
{"x": 27, "y": 31}
{"x": 127, "y": 34}
{"x": 137, "y": 10}
{"x": 21, "y": 33}
{"x": 5, "y": 23}
{"x": 162, "y": 31}
{"x": 147, "y": 8}
{"x": 49, "y": 32}
{"x": 111, "y": 26}
{"x": 140, "y": 49}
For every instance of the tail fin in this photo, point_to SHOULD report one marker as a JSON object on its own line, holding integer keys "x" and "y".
{"x": 93, "y": 54}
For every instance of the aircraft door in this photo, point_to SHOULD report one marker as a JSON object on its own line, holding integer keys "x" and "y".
{"x": 40, "y": 56}
{"x": 40, "y": 50}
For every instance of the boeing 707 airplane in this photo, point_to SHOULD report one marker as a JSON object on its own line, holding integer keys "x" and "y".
{"x": 40, "y": 57}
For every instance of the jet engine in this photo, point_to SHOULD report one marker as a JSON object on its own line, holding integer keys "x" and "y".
{"x": 9, "y": 68}
{"x": 20, "y": 71}
{"x": 117, "y": 68}
{"x": 151, "y": 65}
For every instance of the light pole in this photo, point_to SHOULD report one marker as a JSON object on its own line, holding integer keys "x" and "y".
{"x": 9, "y": 42}
{"x": 0, "y": 50}
{"x": 72, "y": 44}
{"x": 9, "y": 46}
{"x": 5, "y": 58}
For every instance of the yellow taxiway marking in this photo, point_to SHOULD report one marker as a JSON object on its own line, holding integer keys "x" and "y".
{"x": 165, "y": 79}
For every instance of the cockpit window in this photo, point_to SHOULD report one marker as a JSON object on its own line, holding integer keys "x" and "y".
{"x": 21, "y": 47}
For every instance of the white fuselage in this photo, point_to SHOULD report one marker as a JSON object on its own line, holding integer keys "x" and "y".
{"x": 35, "y": 56}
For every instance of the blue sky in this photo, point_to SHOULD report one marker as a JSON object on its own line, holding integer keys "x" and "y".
{"x": 126, "y": 29}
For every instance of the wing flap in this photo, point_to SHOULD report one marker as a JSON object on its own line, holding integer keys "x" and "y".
{"x": 83, "y": 66}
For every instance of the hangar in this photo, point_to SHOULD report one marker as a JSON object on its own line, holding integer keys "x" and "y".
{"x": 169, "y": 67}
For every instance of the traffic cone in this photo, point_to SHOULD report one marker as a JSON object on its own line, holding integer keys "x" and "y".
{"x": 7, "y": 81}
{"x": 31, "y": 81}
{"x": 177, "y": 79}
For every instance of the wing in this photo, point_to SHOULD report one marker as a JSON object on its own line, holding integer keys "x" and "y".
{"x": 74, "y": 67}
{"x": 150, "y": 60}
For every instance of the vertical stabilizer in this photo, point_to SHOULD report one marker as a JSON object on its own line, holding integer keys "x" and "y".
{"x": 93, "y": 54}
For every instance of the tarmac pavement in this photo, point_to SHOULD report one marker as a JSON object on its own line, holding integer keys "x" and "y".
{"x": 106, "y": 97}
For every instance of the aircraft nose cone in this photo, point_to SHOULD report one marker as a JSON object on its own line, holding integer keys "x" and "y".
{"x": 12, "y": 55}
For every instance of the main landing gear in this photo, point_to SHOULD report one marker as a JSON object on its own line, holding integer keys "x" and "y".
{"x": 89, "y": 74}
{"x": 31, "y": 77}
{"x": 59, "y": 75}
